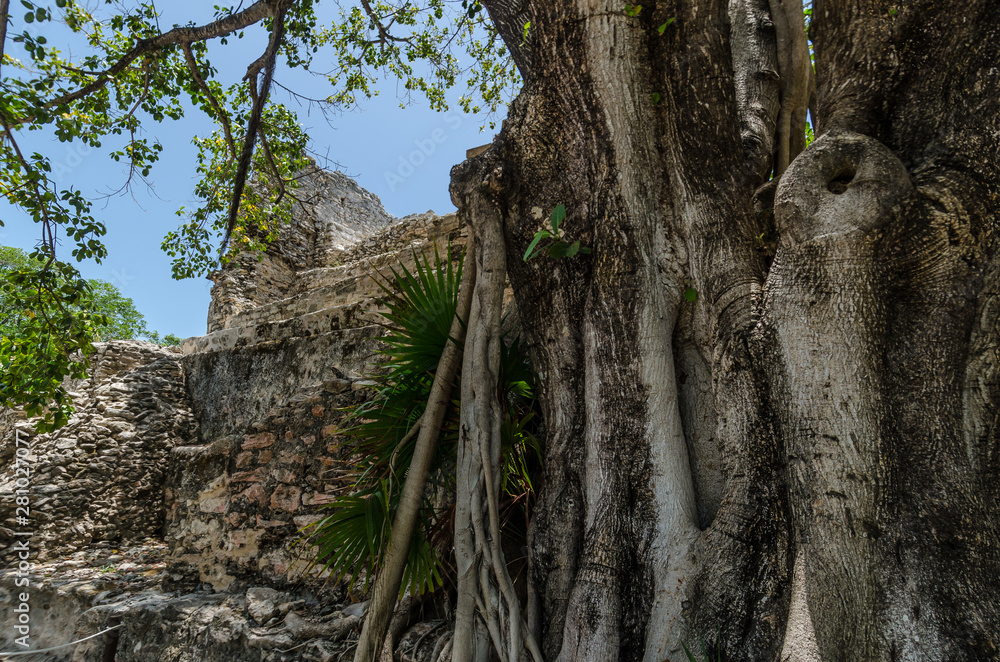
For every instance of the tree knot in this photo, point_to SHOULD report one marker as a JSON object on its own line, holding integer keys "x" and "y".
{"x": 844, "y": 182}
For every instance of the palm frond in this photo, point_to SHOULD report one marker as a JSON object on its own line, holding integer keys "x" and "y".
{"x": 352, "y": 540}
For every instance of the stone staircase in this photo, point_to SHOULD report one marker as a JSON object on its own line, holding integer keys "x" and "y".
{"x": 341, "y": 297}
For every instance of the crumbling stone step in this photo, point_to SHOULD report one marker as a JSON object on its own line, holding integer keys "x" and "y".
{"x": 302, "y": 325}
{"x": 331, "y": 287}
{"x": 406, "y": 231}
{"x": 232, "y": 388}
{"x": 364, "y": 267}
{"x": 344, "y": 292}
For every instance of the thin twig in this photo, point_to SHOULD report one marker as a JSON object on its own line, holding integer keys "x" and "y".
{"x": 220, "y": 112}
{"x": 53, "y": 648}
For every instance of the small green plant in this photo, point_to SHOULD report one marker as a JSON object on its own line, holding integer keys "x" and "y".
{"x": 690, "y": 294}
{"x": 108, "y": 568}
{"x": 705, "y": 656}
{"x": 558, "y": 247}
{"x": 632, "y": 10}
{"x": 524, "y": 33}
{"x": 663, "y": 28}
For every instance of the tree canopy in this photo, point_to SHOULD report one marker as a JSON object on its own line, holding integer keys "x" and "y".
{"x": 124, "y": 321}
{"x": 123, "y": 70}
{"x": 42, "y": 306}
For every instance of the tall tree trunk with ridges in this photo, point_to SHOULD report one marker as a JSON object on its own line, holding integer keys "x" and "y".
{"x": 800, "y": 463}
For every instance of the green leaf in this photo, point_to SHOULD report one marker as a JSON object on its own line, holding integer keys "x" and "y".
{"x": 558, "y": 216}
{"x": 530, "y": 253}
{"x": 663, "y": 28}
{"x": 573, "y": 248}
{"x": 691, "y": 294}
{"x": 656, "y": 97}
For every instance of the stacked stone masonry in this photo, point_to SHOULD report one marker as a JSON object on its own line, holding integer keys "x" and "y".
{"x": 175, "y": 497}
{"x": 101, "y": 477}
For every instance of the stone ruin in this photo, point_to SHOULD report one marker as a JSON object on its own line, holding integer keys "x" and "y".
{"x": 169, "y": 507}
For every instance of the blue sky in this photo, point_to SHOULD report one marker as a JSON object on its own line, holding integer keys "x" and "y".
{"x": 371, "y": 144}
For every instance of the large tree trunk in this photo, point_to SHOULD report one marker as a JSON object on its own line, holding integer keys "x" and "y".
{"x": 800, "y": 464}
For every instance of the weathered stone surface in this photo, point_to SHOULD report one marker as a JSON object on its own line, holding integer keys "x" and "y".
{"x": 333, "y": 212}
{"x": 233, "y": 389}
{"x": 253, "y": 537}
{"x": 262, "y": 603}
{"x": 134, "y": 410}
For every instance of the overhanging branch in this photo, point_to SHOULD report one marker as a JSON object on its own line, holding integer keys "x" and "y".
{"x": 267, "y": 61}
{"x": 255, "y": 13}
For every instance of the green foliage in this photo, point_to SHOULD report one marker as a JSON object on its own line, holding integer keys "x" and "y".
{"x": 664, "y": 26}
{"x": 49, "y": 318}
{"x": 558, "y": 247}
{"x": 632, "y": 10}
{"x": 48, "y": 326}
{"x": 353, "y": 539}
{"x": 124, "y": 321}
{"x": 169, "y": 340}
{"x": 265, "y": 205}
{"x": 395, "y": 34}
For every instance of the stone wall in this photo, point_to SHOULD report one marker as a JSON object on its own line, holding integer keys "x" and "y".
{"x": 246, "y": 282}
{"x": 102, "y": 476}
{"x": 231, "y": 389}
{"x": 236, "y": 505}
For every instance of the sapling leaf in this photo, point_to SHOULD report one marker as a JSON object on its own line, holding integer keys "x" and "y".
{"x": 691, "y": 294}
{"x": 573, "y": 249}
{"x": 663, "y": 28}
{"x": 558, "y": 216}
{"x": 528, "y": 254}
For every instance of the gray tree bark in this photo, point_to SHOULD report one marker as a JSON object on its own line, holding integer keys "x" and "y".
{"x": 800, "y": 464}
